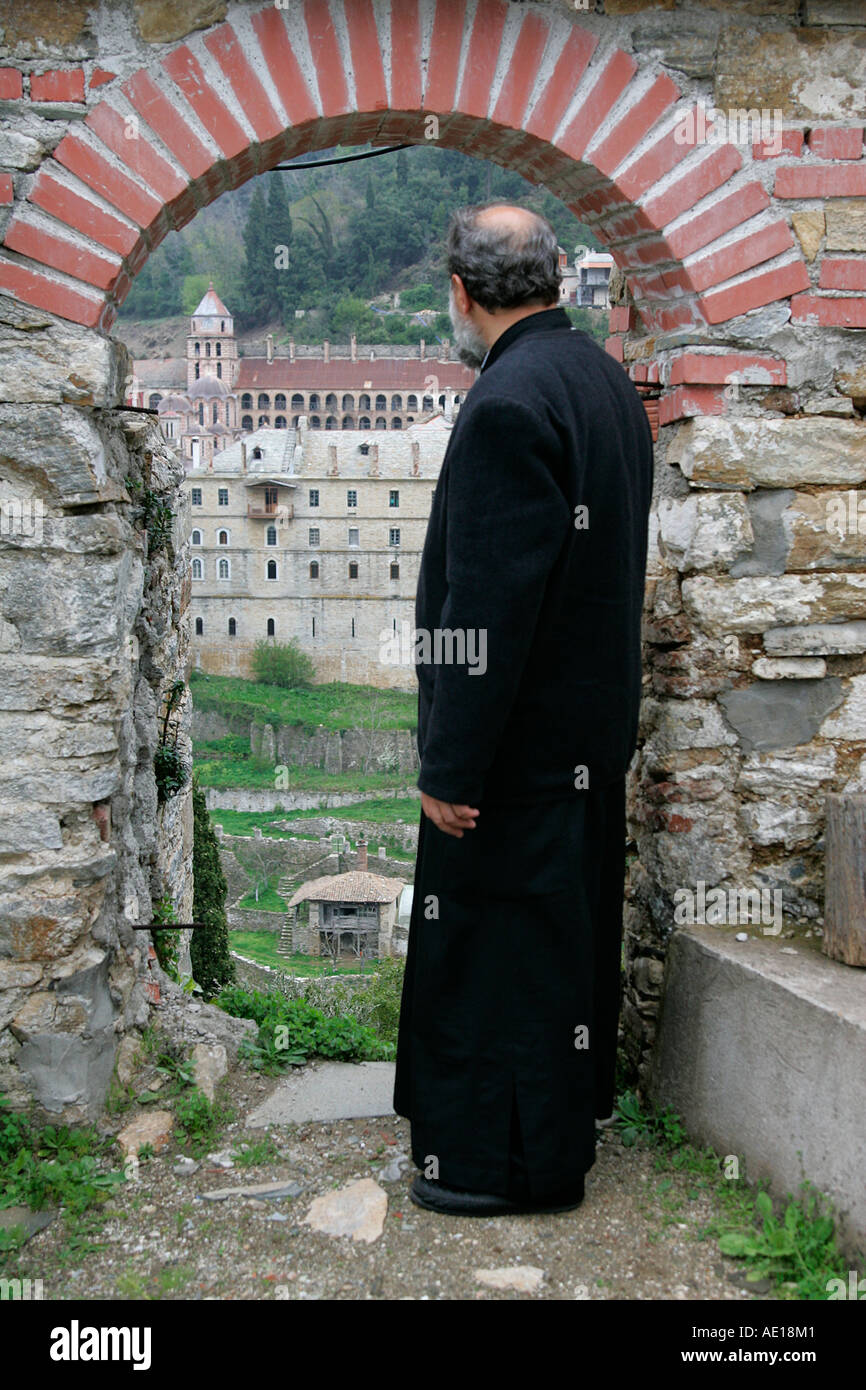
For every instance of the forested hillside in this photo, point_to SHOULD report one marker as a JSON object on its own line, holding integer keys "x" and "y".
{"x": 338, "y": 242}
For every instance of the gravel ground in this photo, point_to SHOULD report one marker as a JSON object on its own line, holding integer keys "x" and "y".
{"x": 637, "y": 1234}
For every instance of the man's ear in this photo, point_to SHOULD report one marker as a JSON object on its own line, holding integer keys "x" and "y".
{"x": 461, "y": 298}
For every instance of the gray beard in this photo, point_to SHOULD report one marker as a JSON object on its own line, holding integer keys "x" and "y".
{"x": 470, "y": 346}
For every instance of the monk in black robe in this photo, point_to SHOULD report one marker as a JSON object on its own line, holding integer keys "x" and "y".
{"x": 527, "y": 637}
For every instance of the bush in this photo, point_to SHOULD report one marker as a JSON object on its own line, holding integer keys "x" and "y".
{"x": 291, "y": 1030}
{"x": 212, "y": 963}
{"x": 282, "y": 664}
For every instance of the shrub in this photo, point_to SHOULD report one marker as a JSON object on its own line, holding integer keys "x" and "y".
{"x": 291, "y": 1030}
{"x": 282, "y": 664}
{"x": 212, "y": 963}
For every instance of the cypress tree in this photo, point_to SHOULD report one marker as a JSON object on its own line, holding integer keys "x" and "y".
{"x": 279, "y": 233}
{"x": 259, "y": 269}
{"x": 212, "y": 964}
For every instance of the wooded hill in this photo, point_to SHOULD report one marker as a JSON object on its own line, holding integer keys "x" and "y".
{"x": 338, "y": 242}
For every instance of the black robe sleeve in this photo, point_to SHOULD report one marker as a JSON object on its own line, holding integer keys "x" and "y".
{"x": 506, "y": 522}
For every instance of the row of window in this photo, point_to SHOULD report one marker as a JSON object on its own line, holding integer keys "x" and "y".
{"x": 224, "y": 537}
{"x": 314, "y": 402}
{"x": 313, "y": 495}
{"x": 331, "y": 423}
{"x": 271, "y": 627}
{"x": 224, "y": 569}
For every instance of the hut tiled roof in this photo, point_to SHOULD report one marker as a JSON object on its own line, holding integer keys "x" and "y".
{"x": 357, "y": 886}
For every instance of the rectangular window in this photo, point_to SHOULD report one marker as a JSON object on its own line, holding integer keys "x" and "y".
{"x": 351, "y": 498}
{"x": 354, "y": 536}
{"x": 223, "y": 497}
{"x": 196, "y": 497}
{"x": 394, "y": 497}
{"x": 314, "y": 535}
{"x": 394, "y": 536}
{"x": 314, "y": 497}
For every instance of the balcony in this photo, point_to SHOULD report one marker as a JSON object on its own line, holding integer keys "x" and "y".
{"x": 271, "y": 511}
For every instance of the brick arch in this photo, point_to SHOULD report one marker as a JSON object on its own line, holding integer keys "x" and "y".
{"x": 692, "y": 225}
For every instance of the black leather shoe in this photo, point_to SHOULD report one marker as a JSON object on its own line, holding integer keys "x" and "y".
{"x": 455, "y": 1201}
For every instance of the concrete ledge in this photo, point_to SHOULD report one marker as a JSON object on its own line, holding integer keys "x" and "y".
{"x": 763, "y": 1055}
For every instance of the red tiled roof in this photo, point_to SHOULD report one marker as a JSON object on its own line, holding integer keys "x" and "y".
{"x": 383, "y": 374}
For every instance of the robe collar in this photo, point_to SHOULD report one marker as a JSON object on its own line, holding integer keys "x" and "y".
{"x": 542, "y": 322}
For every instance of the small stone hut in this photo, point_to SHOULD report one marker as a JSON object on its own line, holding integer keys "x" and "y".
{"x": 352, "y": 913}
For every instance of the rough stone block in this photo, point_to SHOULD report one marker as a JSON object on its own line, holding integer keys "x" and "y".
{"x": 818, "y": 639}
{"x": 48, "y": 359}
{"x": 789, "y": 668}
{"x": 850, "y": 719}
{"x": 806, "y": 72}
{"x": 748, "y": 453}
{"x": 780, "y": 714}
{"x": 705, "y": 531}
{"x": 721, "y": 605}
{"x": 846, "y": 225}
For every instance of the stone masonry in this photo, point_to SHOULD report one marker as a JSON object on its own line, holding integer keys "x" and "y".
{"x": 718, "y": 153}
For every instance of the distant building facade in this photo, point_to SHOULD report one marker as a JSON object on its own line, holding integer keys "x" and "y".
{"x": 310, "y": 477}
{"x": 586, "y": 282}
{"x": 299, "y": 533}
{"x": 209, "y": 398}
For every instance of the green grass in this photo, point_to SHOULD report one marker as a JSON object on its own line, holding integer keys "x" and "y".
{"x": 337, "y": 705}
{"x": 52, "y": 1165}
{"x": 405, "y": 809}
{"x": 269, "y": 899}
{"x": 261, "y": 946}
{"x": 251, "y": 1155}
{"x": 791, "y": 1242}
{"x": 199, "y": 1121}
{"x": 260, "y": 774}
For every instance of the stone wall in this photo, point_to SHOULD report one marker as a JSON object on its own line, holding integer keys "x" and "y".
{"x": 92, "y": 633}
{"x": 333, "y": 994}
{"x": 336, "y": 750}
{"x": 251, "y": 919}
{"x": 251, "y": 799}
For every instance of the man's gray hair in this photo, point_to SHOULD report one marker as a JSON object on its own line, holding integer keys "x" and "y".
{"x": 503, "y": 267}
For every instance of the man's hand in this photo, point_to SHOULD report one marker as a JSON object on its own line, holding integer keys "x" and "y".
{"x": 452, "y": 819}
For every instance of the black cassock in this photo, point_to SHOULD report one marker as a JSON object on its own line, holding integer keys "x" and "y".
{"x": 535, "y": 552}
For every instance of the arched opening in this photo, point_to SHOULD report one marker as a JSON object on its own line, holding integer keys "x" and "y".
{"x": 702, "y": 233}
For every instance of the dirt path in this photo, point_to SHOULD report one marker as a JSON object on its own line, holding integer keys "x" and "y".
{"x": 636, "y": 1236}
